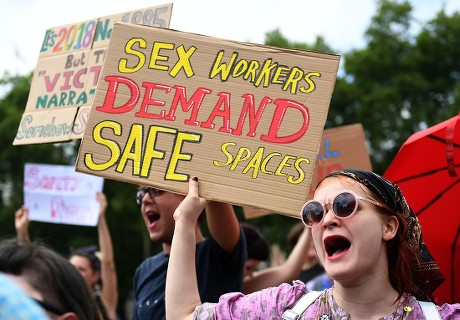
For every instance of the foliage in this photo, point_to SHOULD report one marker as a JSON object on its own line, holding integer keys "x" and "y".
{"x": 12, "y": 158}
{"x": 398, "y": 84}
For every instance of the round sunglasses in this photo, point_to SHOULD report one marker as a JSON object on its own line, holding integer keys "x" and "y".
{"x": 344, "y": 206}
{"x": 153, "y": 192}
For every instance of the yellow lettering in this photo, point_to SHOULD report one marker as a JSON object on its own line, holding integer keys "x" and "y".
{"x": 150, "y": 151}
{"x": 123, "y": 64}
{"x": 283, "y": 164}
{"x": 228, "y": 154}
{"x": 184, "y": 62}
{"x": 240, "y": 68}
{"x": 311, "y": 83}
{"x": 134, "y": 142}
{"x": 280, "y": 72}
{"x": 251, "y": 72}
{"x": 112, "y": 145}
{"x": 242, "y": 155}
{"x": 223, "y": 68}
{"x": 255, "y": 163}
{"x": 265, "y": 72}
{"x": 299, "y": 170}
{"x": 157, "y": 46}
{"x": 294, "y": 77}
{"x": 263, "y": 166}
{"x": 178, "y": 156}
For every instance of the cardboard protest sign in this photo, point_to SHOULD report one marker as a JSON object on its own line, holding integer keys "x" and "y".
{"x": 67, "y": 73}
{"x": 246, "y": 119}
{"x": 341, "y": 147}
{"x": 58, "y": 194}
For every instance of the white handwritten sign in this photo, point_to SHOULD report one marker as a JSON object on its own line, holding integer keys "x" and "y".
{"x": 58, "y": 194}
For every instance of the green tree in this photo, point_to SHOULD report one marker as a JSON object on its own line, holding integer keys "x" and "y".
{"x": 399, "y": 83}
{"x": 12, "y": 158}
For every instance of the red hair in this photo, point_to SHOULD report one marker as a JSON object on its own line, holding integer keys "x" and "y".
{"x": 400, "y": 258}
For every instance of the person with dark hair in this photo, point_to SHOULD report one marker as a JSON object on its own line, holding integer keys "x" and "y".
{"x": 48, "y": 278}
{"x": 15, "y": 303}
{"x": 98, "y": 272}
{"x": 368, "y": 240}
{"x": 258, "y": 249}
{"x": 220, "y": 257}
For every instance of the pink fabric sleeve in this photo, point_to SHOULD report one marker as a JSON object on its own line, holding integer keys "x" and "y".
{"x": 269, "y": 303}
{"x": 450, "y": 311}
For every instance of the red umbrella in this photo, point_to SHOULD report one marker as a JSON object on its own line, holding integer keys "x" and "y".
{"x": 427, "y": 169}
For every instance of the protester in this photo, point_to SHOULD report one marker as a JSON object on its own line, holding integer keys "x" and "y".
{"x": 220, "y": 257}
{"x": 94, "y": 269}
{"x": 16, "y": 304}
{"x": 48, "y": 278}
{"x": 368, "y": 240}
{"x": 257, "y": 247}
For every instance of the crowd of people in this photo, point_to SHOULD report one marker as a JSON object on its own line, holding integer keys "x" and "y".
{"x": 357, "y": 254}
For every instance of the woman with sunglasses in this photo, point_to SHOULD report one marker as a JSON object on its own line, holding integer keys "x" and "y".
{"x": 368, "y": 240}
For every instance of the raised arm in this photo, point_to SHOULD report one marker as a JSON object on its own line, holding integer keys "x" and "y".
{"x": 182, "y": 289}
{"x": 109, "y": 294}
{"x": 223, "y": 225}
{"x": 21, "y": 223}
{"x": 286, "y": 272}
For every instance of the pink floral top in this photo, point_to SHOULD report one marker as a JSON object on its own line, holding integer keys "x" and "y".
{"x": 270, "y": 303}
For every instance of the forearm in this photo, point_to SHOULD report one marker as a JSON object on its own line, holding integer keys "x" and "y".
{"x": 105, "y": 240}
{"x": 23, "y": 235}
{"x": 273, "y": 276}
{"x": 21, "y": 224}
{"x": 223, "y": 224}
{"x": 286, "y": 272}
{"x": 181, "y": 285}
{"x": 108, "y": 269}
{"x": 298, "y": 256}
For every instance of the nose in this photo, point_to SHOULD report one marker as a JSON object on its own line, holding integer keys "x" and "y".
{"x": 147, "y": 198}
{"x": 329, "y": 218}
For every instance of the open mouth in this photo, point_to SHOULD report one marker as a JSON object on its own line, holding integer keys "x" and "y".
{"x": 335, "y": 245}
{"x": 153, "y": 216}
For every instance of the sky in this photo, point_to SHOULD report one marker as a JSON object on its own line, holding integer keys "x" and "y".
{"x": 342, "y": 23}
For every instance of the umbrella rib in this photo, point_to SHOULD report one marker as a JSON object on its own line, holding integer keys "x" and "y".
{"x": 439, "y": 195}
{"x": 427, "y": 173}
{"x": 441, "y": 140}
{"x": 430, "y": 136}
